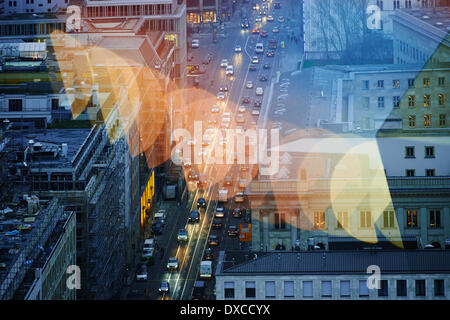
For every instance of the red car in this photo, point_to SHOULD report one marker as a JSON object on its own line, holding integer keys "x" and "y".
{"x": 270, "y": 53}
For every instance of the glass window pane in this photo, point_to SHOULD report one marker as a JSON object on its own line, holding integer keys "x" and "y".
{"x": 307, "y": 289}
{"x": 345, "y": 288}
{"x": 289, "y": 288}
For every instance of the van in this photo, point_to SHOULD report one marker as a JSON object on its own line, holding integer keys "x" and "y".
{"x": 161, "y": 216}
{"x": 259, "y": 48}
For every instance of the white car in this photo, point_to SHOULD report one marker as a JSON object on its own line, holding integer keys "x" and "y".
{"x": 255, "y": 112}
{"x": 249, "y": 84}
{"x": 182, "y": 235}
{"x": 255, "y": 59}
{"x": 229, "y": 70}
{"x": 148, "y": 249}
{"x": 241, "y": 109}
{"x": 258, "y": 19}
{"x": 223, "y": 63}
{"x": 195, "y": 43}
{"x": 172, "y": 264}
{"x": 237, "y": 48}
{"x": 215, "y": 109}
{"x": 220, "y": 95}
{"x": 259, "y": 91}
{"x": 270, "y": 18}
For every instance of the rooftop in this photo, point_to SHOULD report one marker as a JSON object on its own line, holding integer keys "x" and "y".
{"x": 339, "y": 262}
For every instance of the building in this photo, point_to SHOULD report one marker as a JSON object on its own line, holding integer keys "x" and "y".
{"x": 332, "y": 187}
{"x": 33, "y": 6}
{"x": 339, "y": 275}
{"x": 37, "y": 246}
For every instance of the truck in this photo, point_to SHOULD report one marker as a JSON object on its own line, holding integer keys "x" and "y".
{"x": 206, "y": 269}
{"x": 223, "y": 195}
{"x": 199, "y": 291}
{"x": 170, "y": 191}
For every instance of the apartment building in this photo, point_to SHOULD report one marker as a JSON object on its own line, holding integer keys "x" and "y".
{"x": 327, "y": 275}
{"x": 33, "y": 6}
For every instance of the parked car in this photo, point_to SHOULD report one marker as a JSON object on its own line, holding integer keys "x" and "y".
{"x": 141, "y": 273}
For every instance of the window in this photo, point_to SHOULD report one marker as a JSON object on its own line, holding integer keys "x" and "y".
{"x": 396, "y": 101}
{"x": 441, "y": 99}
{"x": 270, "y": 289}
{"x": 280, "y": 221}
{"x": 441, "y": 81}
{"x": 307, "y": 289}
{"x": 363, "y": 289}
{"x": 411, "y": 218}
{"x": 442, "y": 120}
{"x": 410, "y": 83}
{"x": 435, "y": 218}
{"x": 408, "y": 4}
{"x": 427, "y": 120}
{"x": 409, "y": 152}
{"x": 250, "y": 289}
{"x": 395, "y": 84}
{"x": 427, "y": 100}
{"x": 365, "y": 102}
{"x": 342, "y": 220}
{"x": 380, "y": 4}
{"x": 15, "y": 105}
{"x": 55, "y": 104}
{"x": 365, "y": 219}
{"x": 345, "y": 288}
{"x": 410, "y": 172}
{"x": 384, "y": 288}
{"x": 430, "y": 172}
{"x": 326, "y": 288}
{"x": 412, "y": 121}
{"x": 426, "y": 82}
{"x": 381, "y": 102}
{"x": 365, "y": 84}
{"x": 401, "y": 288}
{"x": 439, "y": 288}
{"x": 289, "y": 289}
{"x": 420, "y": 288}
{"x": 396, "y": 4}
{"x": 429, "y": 152}
{"x": 319, "y": 220}
{"x": 380, "y": 84}
{"x": 411, "y": 101}
{"x": 389, "y": 219}
{"x": 229, "y": 289}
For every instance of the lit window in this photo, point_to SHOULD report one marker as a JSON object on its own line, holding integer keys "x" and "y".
{"x": 427, "y": 120}
{"x": 412, "y": 121}
{"x": 435, "y": 218}
{"x": 427, "y": 100}
{"x": 411, "y": 101}
{"x": 411, "y": 218}
{"x": 441, "y": 99}
{"x": 319, "y": 220}
{"x": 426, "y": 82}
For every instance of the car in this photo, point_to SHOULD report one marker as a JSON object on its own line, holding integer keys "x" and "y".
{"x": 182, "y": 235}
{"x": 194, "y": 216}
{"x": 195, "y": 43}
{"x": 237, "y": 213}
{"x": 259, "y": 91}
{"x": 202, "y": 182}
{"x": 201, "y": 203}
{"x": 213, "y": 240}
{"x": 255, "y": 60}
{"x": 246, "y": 100}
{"x": 255, "y": 6}
{"x": 270, "y": 53}
{"x": 252, "y": 67}
{"x": 249, "y": 84}
{"x": 257, "y": 103}
{"x": 280, "y": 19}
{"x": 215, "y": 109}
{"x": 220, "y": 95}
{"x": 255, "y": 112}
{"x": 233, "y": 231}
{"x": 240, "y": 118}
{"x": 172, "y": 264}
{"x": 259, "y": 18}
{"x": 277, "y": 5}
{"x": 244, "y": 168}
{"x": 141, "y": 274}
{"x": 263, "y": 34}
{"x": 208, "y": 254}
{"x": 245, "y": 24}
{"x": 223, "y": 88}
{"x": 266, "y": 66}
{"x": 192, "y": 175}
{"x": 259, "y": 47}
{"x": 237, "y": 48}
{"x": 212, "y": 121}
{"x": 157, "y": 227}
{"x": 239, "y": 197}
{"x": 255, "y": 31}
{"x": 148, "y": 249}
{"x": 228, "y": 181}
{"x": 262, "y": 78}
{"x": 264, "y": 12}
{"x": 164, "y": 287}
{"x": 216, "y": 224}
{"x": 270, "y": 18}
{"x": 229, "y": 70}
{"x": 220, "y": 211}
{"x": 223, "y": 63}
{"x": 275, "y": 30}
